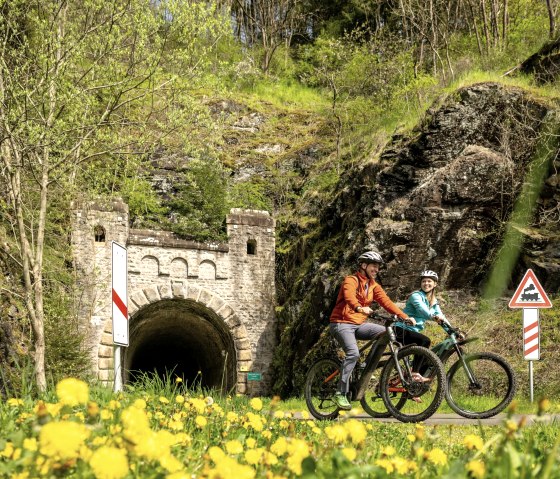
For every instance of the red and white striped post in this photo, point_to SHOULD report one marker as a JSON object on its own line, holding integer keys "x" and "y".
{"x": 530, "y": 296}
{"x": 119, "y": 301}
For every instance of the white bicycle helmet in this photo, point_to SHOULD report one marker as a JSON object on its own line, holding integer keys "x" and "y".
{"x": 429, "y": 274}
{"x": 370, "y": 257}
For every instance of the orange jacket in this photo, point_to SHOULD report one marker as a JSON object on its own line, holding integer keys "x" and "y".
{"x": 352, "y": 294}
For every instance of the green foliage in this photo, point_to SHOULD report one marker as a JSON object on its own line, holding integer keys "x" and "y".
{"x": 250, "y": 194}
{"x": 201, "y": 201}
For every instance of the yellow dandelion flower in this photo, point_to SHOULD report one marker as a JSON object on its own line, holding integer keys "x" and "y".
{"x": 411, "y": 437}
{"x": 179, "y": 399}
{"x": 284, "y": 424}
{"x": 30, "y": 444}
{"x": 201, "y": 421}
{"x": 140, "y": 403}
{"x": 336, "y": 433}
{"x": 476, "y": 469}
{"x": 62, "y": 439}
{"x": 253, "y": 456}
{"x": 170, "y": 463}
{"x": 251, "y": 442}
{"x": 232, "y": 416}
{"x": 14, "y": 402}
{"x": 280, "y": 446}
{"x": 8, "y": 450}
{"x": 256, "y": 404}
{"x": 234, "y": 447}
{"x": 401, "y": 465}
{"x": 511, "y": 425}
{"x": 106, "y": 415}
{"x": 266, "y": 434}
{"x": 388, "y": 451}
{"x": 109, "y": 463}
{"x": 420, "y": 432}
{"x": 216, "y": 454}
{"x": 199, "y": 405}
{"x": 316, "y": 430}
{"x": 304, "y": 414}
{"x": 386, "y": 464}
{"x": 472, "y": 441}
{"x": 135, "y": 423}
{"x": 269, "y": 458}
{"x": 436, "y": 456}
{"x": 356, "y": 430}
{"x": 178, "y": 380}
{"x": 72, "y": 392}
{"x": 544, "y": 406}
{"x": 278, "y": 414}
{"x": 350, "y": 453}
{"x": 163, "y": 400}
{"x": 175, "y": 425}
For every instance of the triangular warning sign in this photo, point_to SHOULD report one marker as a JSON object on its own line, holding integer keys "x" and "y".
{"x": 530, "y": 293}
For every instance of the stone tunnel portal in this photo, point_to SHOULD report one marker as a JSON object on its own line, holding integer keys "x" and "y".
{"x": 183, "y": 337}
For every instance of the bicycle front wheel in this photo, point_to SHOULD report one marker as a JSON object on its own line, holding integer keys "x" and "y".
{"x": 488, "y": 392}
{"x": 414, "y": 400}
{"x": 320, "y": 386}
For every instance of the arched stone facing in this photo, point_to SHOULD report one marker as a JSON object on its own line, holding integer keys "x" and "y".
{"x": 152, "y": 295}
{"x": 229, "y": 285}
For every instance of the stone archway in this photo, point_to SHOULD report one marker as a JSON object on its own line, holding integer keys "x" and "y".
{"x": 187, "y": 329}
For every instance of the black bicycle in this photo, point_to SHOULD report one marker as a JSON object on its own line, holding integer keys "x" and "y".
{"x": 479, "y": 385}
{"x": 384, "y": 382}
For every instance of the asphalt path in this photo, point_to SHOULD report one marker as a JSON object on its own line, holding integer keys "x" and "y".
{"x": 440, "y": 418}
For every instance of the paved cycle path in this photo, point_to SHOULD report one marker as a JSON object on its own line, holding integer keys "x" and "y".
{"x": 450, "y": 418}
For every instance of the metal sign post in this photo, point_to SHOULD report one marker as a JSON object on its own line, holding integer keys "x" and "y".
{"x": 119, "y": 299}
{"x": 530, "y": 296}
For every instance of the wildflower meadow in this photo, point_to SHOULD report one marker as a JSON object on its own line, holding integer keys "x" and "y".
{"x": 167, "y": 431}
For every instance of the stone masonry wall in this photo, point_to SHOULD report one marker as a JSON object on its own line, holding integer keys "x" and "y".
{"x": 235, "y": 280}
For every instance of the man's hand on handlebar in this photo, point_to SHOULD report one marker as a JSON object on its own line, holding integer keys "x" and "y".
{"x": 366, "y": 310}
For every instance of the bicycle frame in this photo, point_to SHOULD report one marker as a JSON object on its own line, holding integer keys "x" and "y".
{"x": 450, "y": 345}
{"x": 374, "y": 356}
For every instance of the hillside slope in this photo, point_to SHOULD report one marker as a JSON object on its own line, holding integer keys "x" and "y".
{"x": 439, "y": 197}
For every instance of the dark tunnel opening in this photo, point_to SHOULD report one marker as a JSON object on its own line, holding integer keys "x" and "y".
{"x": 184, "y": 339}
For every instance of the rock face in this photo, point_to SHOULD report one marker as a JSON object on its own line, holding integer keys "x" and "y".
{"x": 437, "y": 199}
{"x": 545, "y": 64}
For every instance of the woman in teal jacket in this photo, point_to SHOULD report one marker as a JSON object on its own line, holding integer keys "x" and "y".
{"x": 422, "y": 305}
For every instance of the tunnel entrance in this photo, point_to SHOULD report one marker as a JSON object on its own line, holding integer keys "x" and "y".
{"x": 185, "y": 338}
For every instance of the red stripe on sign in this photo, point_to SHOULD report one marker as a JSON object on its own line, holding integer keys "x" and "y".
{"x": 119, "y": 303}
{"x": 531, "y": 326}
{"x": 531, "y": 349}
{"x": 529, "y": 339}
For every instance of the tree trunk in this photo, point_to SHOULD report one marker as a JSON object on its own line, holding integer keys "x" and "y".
{"x": 551, "y": 20}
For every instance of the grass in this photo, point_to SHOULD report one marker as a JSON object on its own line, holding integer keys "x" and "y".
{"x": 161, "y": 429}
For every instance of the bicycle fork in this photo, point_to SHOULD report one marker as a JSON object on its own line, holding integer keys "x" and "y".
{"x": 472, "y": 380}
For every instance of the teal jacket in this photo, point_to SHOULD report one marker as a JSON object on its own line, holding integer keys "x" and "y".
{"x": 418, "y": 307}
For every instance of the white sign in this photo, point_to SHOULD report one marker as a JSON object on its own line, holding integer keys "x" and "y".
{"x": 530, "y": 293}
{"x": 531, "y": 334}
{"x": 119, "y": 294}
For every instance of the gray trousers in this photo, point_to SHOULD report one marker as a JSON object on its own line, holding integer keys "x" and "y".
{"x": 346, "y": 335}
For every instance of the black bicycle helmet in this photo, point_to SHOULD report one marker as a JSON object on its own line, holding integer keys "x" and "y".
{"x": 429, "y": 274}
{"x": 370, "y": 257}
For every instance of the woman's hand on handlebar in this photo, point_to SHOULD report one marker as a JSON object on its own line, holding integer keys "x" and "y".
{"x": 410, "y": 321}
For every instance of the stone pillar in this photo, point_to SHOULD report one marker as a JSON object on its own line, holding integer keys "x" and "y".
{"x": 96, "y": 224}
{"x": 251, "y": 256}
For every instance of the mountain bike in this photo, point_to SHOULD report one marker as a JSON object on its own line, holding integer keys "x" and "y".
{"x": 397, "y": 392}
{"x": 479, "y": 385}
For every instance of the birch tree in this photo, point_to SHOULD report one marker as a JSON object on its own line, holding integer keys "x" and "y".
{"x": 77, "y": 79}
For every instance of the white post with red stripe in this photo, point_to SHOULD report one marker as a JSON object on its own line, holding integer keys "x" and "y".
{"x": 119, "y": 301}
{"x": 530, "y": 296}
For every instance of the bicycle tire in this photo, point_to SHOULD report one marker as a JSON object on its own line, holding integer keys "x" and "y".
{"x": 373, "y": 403}
{"x": 495, "y": 390}
{"x": 320, "y": 386}
{"x": 431, "y": 394}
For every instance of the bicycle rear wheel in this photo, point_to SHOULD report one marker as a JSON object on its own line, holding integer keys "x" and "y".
{"x": 413, "y": 401}
{"x": 320, "y": 386}
{"x": 373, "y": 403}
{"x": 492, "y": 390}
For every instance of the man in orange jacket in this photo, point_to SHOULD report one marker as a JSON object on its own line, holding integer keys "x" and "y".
{"x": 348, "y": 319}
